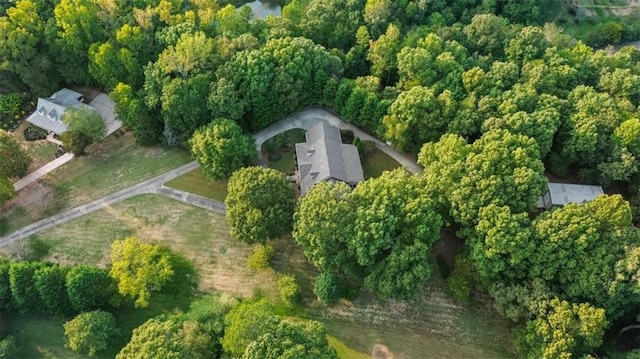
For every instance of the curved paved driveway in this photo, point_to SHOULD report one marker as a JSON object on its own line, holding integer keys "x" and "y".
{"x": 308, "y": 117}
{"x": 304, "y": 119}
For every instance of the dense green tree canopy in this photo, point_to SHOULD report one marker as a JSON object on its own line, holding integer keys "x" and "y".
{"x": 289, "y": 340}
{"x": 222, "y": 148}
{"x": 245, "y": 323}
{"x": 91, "y": 288}
{"x": 394, "y": 229}
{"x": 564, "y": 330}
{"x": 500, "y": 168}
{"x": 14, "y": 160}
{"x": 323, "y": 223}
{"x": 292, "y": 74}
{"x": 90, "y": 332}
{"x": 171, "y": 338}
{"x": 87, "y": 122}
{"x": 51, "y": 284}
{"x": 139, "y": 268}
{"x": 260, "y": 204}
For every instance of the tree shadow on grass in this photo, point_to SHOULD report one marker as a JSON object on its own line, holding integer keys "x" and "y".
{"x": 185, "y": 279}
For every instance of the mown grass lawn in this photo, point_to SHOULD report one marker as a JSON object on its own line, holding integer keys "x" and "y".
{"x": 376, "y": 162}
{"x": 195, "y": 182}
{"x": 431, "y": 325}
{"x": 114, "y": 164}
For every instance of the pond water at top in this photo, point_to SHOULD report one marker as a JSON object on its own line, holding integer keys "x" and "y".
{"x": 261, "y": 10}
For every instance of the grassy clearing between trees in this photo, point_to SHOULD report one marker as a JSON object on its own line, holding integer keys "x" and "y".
{"x": 430, "y": 325}
{"x": 376, "y": 162}
{"x": 115, "y": 163}
{"x": 195, "y": 182}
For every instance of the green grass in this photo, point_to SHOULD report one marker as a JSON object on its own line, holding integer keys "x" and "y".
{"x": 344, "y": 351}
{"x": 195, "y": 182}
{"x": 286, "y": 163}
{"x": 431, "y": 325}
{"x": 200, "y": 236}
{"x": 39, "y": 337}
{"x": 376, "y": 162}
{"x": 112, "y": 165}
{"x": 43, "y": 336}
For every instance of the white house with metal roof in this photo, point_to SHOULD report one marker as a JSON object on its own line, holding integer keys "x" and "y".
{"x": 50, "y": 111}
{"x": 323, "y": 157}
{"x": 559, "y": 194}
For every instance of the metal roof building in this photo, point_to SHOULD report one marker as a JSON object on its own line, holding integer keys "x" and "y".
{"x": 559, "y": 194}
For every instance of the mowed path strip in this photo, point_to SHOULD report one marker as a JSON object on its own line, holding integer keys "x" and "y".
{"x": 304, "y": 119}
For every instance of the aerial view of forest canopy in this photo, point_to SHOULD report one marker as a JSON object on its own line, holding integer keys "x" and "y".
{"x": 494, "y": 99}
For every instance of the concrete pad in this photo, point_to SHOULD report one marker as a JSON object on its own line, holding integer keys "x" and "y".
{"x": 106, "y": 109}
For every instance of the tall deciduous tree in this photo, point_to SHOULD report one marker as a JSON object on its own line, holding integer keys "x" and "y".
{"x": 564, "y": 330}
{"x": 500, "y": 168}
{"x": 222, "y": 148}
{"x": 245, "y": 323}
{"x": 85, "y": 121}
{"x": 78, "y": 26}
{"x": 90, "y": 288}
{"x": 171, "y": 338}
{"x": 260, "y": 204}
{"x": 293, "y": 72}
{"x": 139, "y": 268}
{"x": 323, "y": 223}
{"x": 394, "y": 228}
{"x": 90, "y": 332}
{"x": 14, "y": 160}
{"x": 22, "y": 41}
{"x": 302, "y": 340}
{"x": 333, "y": 23}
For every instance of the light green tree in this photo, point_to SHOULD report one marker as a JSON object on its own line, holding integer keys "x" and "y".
{"x": 139, "y": 268}
{"x": 564, "y": 330}
{"x": 90, "y": 333}
{"x": 300, "y": 340}
{"x": 245, "y": 323}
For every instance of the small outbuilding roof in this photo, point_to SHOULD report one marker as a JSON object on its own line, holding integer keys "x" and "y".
{"x": 325, "y": 158}
{"x": 559, "y": 194}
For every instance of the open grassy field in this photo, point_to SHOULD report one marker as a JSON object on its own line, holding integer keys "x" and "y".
{"x": 195, "y": 182}
{"x": 115, "y": 163}
{"x": 431, "y": 325}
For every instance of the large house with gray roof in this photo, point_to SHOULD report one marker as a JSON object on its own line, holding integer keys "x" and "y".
{"x": 49, "y": 111}
{"x": 323, "y": 157}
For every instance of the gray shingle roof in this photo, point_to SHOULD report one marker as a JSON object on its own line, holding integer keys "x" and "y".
{"x": 325, "y": 158}
{"x": 49, "y": 111}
